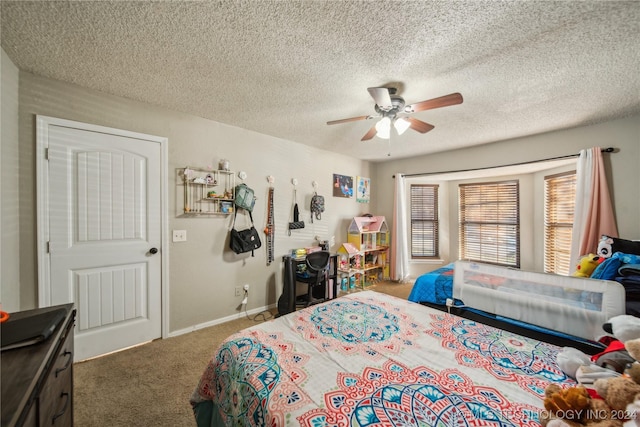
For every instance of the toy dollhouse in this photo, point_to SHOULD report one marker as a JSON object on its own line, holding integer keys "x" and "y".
{"x": 363, "y": 260}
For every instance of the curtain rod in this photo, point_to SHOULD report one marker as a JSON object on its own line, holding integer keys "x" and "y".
{"x": 568, "y": 156}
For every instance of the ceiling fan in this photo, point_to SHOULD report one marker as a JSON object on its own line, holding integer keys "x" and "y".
{"x": 391, "y": 110}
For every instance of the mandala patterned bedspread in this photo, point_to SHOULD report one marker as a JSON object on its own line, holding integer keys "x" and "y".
{"x": 370, "y": 359}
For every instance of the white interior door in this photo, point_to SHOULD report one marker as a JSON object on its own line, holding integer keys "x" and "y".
{"x": 104, "y": 234}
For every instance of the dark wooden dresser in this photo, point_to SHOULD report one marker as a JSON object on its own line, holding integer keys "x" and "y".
{"x": 37, "y": 380}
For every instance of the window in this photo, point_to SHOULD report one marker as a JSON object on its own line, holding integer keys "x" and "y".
{"x": 490, "y": 223}
{"x": 559, "y": 202}
{"x": 424, "y": 221}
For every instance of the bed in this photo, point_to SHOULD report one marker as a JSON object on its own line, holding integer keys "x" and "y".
{"x": 371, "y": 359}
{"x": 434, "y": 287}
{"x": 563, "y": 310}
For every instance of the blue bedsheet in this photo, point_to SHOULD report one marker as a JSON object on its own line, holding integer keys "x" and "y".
{"x": 434, "y": 287}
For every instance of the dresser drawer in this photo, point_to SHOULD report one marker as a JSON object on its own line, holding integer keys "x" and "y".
{"x": 56, "y": 397}
{"x": 37, "y": 379}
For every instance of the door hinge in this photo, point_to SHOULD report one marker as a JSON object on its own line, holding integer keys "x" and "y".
{"x": 46, "y": 153}
{"x": 48, "y": 249}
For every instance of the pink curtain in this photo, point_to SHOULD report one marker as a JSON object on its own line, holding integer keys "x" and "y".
{"x": 593, "y": 210}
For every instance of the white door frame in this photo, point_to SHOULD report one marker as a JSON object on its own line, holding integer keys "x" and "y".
{"x": 42, "y": 208}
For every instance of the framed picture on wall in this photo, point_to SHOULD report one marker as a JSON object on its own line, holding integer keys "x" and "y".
{"x": 342, "y": 185}
{"x": 363, "y": 189}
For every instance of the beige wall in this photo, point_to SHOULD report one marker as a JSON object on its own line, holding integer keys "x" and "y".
{"x": 624, "y": 180}
{"x": 202, "y": 272}
{"x": 9, "y": 200}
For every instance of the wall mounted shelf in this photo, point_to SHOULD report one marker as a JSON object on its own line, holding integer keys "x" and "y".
{"x": 208, "y": 192}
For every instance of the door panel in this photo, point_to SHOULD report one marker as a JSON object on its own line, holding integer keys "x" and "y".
{"x": 104, "y": 217}
{"x": 108, "y": 186}
{"x": 110, "y": 296}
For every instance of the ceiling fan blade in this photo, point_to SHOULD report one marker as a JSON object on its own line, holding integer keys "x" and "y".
{"x": 443, "y": 101}
{"x": 352, "y": 119}
{"x": 372, "y": 132}
{"x": 419, "y": 125}
{"x": 381, "y": 96}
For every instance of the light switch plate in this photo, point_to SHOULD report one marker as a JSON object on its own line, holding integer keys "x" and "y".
{"x": 179, "y": 235}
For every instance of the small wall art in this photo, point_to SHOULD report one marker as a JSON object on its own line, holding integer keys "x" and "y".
{"x": 342, "y": 186}
{"x": 363, "y": 189}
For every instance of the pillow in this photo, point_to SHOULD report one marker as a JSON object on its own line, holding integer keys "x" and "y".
{"x": 609, "y": 245}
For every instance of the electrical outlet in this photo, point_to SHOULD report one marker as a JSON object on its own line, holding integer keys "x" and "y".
{"x": 246, "y": 287}
{"x": 179, "y": 235}
{"x": 238, "y": 291}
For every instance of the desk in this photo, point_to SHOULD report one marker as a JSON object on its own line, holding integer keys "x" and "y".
{"x": 287, "y": 301}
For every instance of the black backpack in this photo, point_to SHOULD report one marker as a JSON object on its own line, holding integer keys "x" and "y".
{"x": 317, "y": 206}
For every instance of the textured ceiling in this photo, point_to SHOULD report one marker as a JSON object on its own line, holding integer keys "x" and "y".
{"x": 285, "y": 68}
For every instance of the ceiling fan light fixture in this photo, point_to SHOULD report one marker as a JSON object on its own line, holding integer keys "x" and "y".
{"x": 384, "y": 128}
{"x": 401, "y": 124}
{"x": 388, "y": 106}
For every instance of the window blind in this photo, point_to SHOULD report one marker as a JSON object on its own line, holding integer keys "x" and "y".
{"x": 559, "y": 205}
{"x": 490, "y": 222}
{"x": 424, "y": 221}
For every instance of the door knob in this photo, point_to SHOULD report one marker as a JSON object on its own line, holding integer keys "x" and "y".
{"x": 153, "y": 251}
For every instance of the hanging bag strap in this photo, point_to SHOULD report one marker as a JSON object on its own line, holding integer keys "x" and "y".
{"x": 295, "y": 208}
{"x": 235, "y": 214}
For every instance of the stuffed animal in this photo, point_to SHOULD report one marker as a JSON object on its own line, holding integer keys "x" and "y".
{"x": 633, "y": 371}
{"x": 571, "y": 401}
{"x": 574, "y": 407}
{"x": 587, "y": 264}
{"x": 605, "y": 246}
{"x": 580, "y": 366}
{"x": 608, "y": 245}
{"x": 616, "y": 399}
{"x": 618, "y": 392}
{"x": 571, "y": 359}
{"x": 625, "y": 328}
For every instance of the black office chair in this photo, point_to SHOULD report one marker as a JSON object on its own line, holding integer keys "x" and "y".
{"x": 316, "y": 272}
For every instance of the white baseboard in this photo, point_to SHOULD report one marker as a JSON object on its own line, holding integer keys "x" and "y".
{"x": 219, "y": 321}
